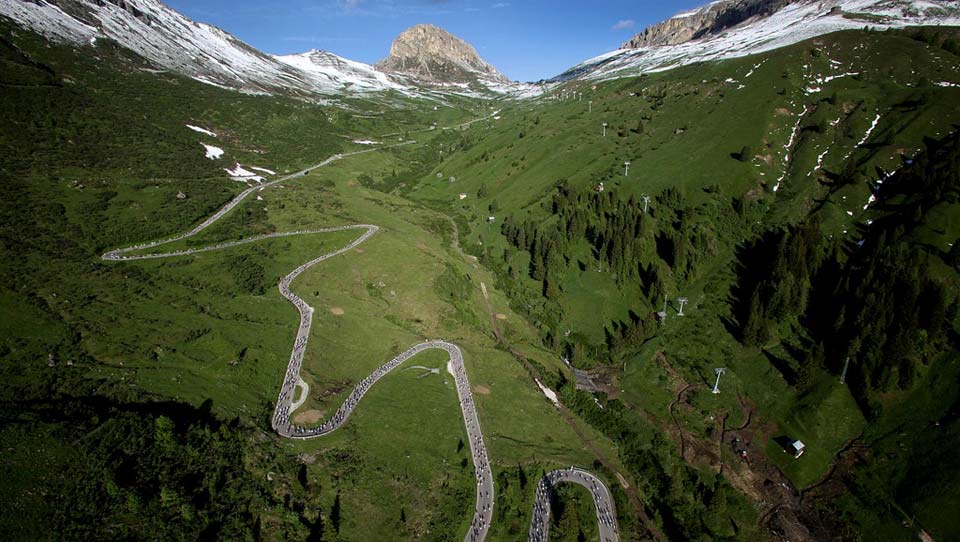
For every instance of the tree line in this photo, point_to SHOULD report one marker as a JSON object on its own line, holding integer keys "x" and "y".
{"x": 592, "y": 229}
{"x": 884, "y": 301}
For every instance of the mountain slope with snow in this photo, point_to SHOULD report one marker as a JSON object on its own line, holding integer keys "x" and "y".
{"x": 203, "y": 52}
{"x": 167, "y": 39}
{"x": 794, "y": 22}
{"x": 345, "y": 73}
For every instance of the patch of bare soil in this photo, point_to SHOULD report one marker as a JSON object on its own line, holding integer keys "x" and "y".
{"x": 308, "y": 417}
{"x": 481, "y": 389}
{"x": 817, "y": 498}
{"x": 336, "y": 311}
{"x": 501, "y": 316}
{"x": 783, "y": 510}
{"x": 606, "y": 378}
{"x": 334, "y": 389}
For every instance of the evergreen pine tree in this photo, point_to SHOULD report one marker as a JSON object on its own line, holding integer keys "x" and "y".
{"x": 335, "y": 514}
{"x": 550, "y": 289}
{"x": 754, "y": 329}
{"x": 538, "y": 268}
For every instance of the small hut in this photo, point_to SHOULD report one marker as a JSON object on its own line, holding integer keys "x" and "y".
{"x": 796, "y": 448}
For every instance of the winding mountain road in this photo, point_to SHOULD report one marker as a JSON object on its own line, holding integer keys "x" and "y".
{"x": 603, "y": 502}
{"x": 121, "y": 253}
{"x": 285, "y": 405}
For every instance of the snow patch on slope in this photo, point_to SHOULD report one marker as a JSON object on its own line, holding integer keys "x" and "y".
{"x": 789, "y": 147}
{"x": 213, "y": 153}
{"x": 341, "y": 72}
{"x": 48, "y": 20}
{"x": 201, "y": 130}
{"x": 866, "y": 136}
{"x": 550, "y": 394}
{"x": 238, "y": 173}
{"x": 873, "y": 126}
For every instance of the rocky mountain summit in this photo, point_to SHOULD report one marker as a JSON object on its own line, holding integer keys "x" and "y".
{"x": 709, "y": 20}
{"x": 432, "y": 54}
{"x": 716, "y": 19}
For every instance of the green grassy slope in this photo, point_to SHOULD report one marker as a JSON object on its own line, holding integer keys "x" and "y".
{"x": 86, "y": 174}
{"x": 722, "y": 136}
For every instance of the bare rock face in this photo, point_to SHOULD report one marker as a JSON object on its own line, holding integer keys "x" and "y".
{"x": 432, "y": 54}
{"x": 707, "y": 21}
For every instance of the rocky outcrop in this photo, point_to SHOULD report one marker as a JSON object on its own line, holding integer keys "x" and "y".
{"x": 431, "y": 54}
{"x": 709, "y": 20}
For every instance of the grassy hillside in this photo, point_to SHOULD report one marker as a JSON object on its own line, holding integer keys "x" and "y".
{"x": 728, "y": 153}
{"x": 97, "y": 153}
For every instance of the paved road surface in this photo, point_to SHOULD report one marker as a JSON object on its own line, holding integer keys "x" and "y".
{"x": 281, "y": 422}
{"x": 120, "y": 253}
{"x": 603, "y": 502}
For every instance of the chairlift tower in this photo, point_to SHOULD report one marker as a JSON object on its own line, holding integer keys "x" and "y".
{"x": 646, "y": 200}
{"x": 604, "y": 129}
{"x": 716, "y": 385}
{"x": 843, "y": 375}
{"x": 626, "y": 168}
{"x": 590, "y": 103}
{"x": 682, "y": 301}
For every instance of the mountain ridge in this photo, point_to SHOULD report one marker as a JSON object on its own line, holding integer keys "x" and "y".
{"x": 707, "y": 20}
{"x": 355, "y": 75}
{"x": 170, "y": 40}
{"x": 214, "y": 56}
{"x": 428, "y": 55}
{"x": 736, "y": 28}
